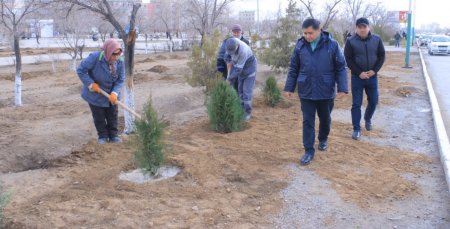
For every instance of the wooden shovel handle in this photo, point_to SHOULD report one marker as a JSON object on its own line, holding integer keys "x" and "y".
{"x": 122, "y": 105}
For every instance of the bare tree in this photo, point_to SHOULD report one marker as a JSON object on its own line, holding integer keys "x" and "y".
{"x": 13, "y": 15}
{"x": 104, "y": 28}
{"x": 74, "y": 23}
{"x": 361, "y": 8}
{"x": 105, "y": 10}
{"x": 309, "y": 6}
{"x": 381, "y": 23}
{"x": 328, "y": 14}
{"x": 204, "y": 15}
{"x": 165, "y": 16}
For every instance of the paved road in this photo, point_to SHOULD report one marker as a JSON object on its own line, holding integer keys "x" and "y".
{"x": 439, "y": 71}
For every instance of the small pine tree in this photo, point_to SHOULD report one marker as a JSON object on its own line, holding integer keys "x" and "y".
{"x": 272, "y": 94}
{"x": 203, "y": 63}
{"x": 224, "y": 109}
{"x": 283, "y": 39}
{"x": 148, "y": 141}
{"x": 4, "y": 199}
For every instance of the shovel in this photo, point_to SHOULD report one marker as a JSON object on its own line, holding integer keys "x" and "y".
{"x": 122, "y": 105}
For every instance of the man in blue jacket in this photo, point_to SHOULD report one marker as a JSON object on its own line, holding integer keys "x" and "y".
{"x": 364, "y": 53}
{"x": 317, "y": 65}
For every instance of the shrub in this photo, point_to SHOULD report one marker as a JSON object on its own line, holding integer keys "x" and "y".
{"x": 224, "y": 109}
{"x": 148, "y": 142}
{"x": 272, "y": 94}
{"x": 4, "y": 199}
{"x": 283, "y": 39}
{"x": 203, "y": 63}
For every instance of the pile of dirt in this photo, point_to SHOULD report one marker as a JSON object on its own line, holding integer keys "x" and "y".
{"x": 161, "y": 57}
{"x": 176, "y": 56}
{"x": 158, "y": 69}
{"x": 146, "y": 60}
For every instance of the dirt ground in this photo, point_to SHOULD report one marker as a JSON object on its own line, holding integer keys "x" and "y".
{"x": 30, "y": 51}
{"x": 60, "y": 177}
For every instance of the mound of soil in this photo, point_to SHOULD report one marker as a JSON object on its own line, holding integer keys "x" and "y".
{"x": 161, "y": 57}
{"x": 146, "y": 60}
{"x": 159, "y": 69}
{"x": 176, "y": 56}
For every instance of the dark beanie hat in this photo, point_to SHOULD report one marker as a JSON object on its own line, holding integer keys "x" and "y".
{"x": 362, "y": 21}
{"x": 236, "y": 27}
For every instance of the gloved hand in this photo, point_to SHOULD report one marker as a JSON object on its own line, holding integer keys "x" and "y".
{"x": 94, "y": 87}
{"x": 113, "y": 98}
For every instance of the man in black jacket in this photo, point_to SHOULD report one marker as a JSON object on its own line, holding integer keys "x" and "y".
{"x": 364, "y": 53}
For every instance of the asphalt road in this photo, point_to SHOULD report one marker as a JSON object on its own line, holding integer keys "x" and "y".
{"x": 439, "y": 70}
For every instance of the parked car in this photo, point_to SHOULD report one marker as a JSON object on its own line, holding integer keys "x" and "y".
{"x": 423, "y": 41}
{"x": 439, "y": 44}
{"x": 95, "y": 37}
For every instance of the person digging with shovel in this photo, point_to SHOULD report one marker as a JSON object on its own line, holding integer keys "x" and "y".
{"x": 103, "y": 70}
{"x": 243, "y": 69}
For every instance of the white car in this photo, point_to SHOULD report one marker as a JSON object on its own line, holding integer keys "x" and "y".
{"x": 439, "y": 44}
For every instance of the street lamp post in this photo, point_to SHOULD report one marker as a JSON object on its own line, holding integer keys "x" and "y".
{"x": 257, "y": 17}
{"x": 408, "y": 38}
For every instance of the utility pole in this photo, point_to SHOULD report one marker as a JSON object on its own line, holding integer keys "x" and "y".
{"x": 414, "y": 23}
{"x": 257, "y": 17}
{"x": 408, "y": 38}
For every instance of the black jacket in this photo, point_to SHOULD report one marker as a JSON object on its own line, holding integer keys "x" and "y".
{"x": 364, "y": 55}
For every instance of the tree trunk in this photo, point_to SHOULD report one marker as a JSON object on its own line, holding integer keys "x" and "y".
{"x": 129, "y": 42}
{"x": 146, "y": 43}
{"x": 74, "y": 64}
{"x": 18, "y": 77}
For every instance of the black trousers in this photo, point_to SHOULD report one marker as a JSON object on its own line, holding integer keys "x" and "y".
{"x": 309, "y": 108}
{"x": 105, "y": 120}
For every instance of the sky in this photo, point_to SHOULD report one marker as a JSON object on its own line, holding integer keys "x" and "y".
{"x": 427, "y": 11}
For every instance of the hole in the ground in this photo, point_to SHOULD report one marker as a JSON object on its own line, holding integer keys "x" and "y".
{"x": 407, "y": 91}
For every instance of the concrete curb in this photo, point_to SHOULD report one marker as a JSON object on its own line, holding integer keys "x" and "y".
{"x": 441, "y": 133}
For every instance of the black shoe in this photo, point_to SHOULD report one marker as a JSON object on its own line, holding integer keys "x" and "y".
{"x": 356, "y": 134}
{"x": 368, "y": 125}
{"x": 306, "y": 159}
{"x": 323, "y": 145}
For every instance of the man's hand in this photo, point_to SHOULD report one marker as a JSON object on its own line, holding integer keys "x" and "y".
{"x": 113, "y": 98}
{"x": 94, "y": 87}
{"x": 289, "y": 94}
{"x": 364, "y": 76}
{"x": 340, "y": 95}
{"x": 370, "y": 73}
